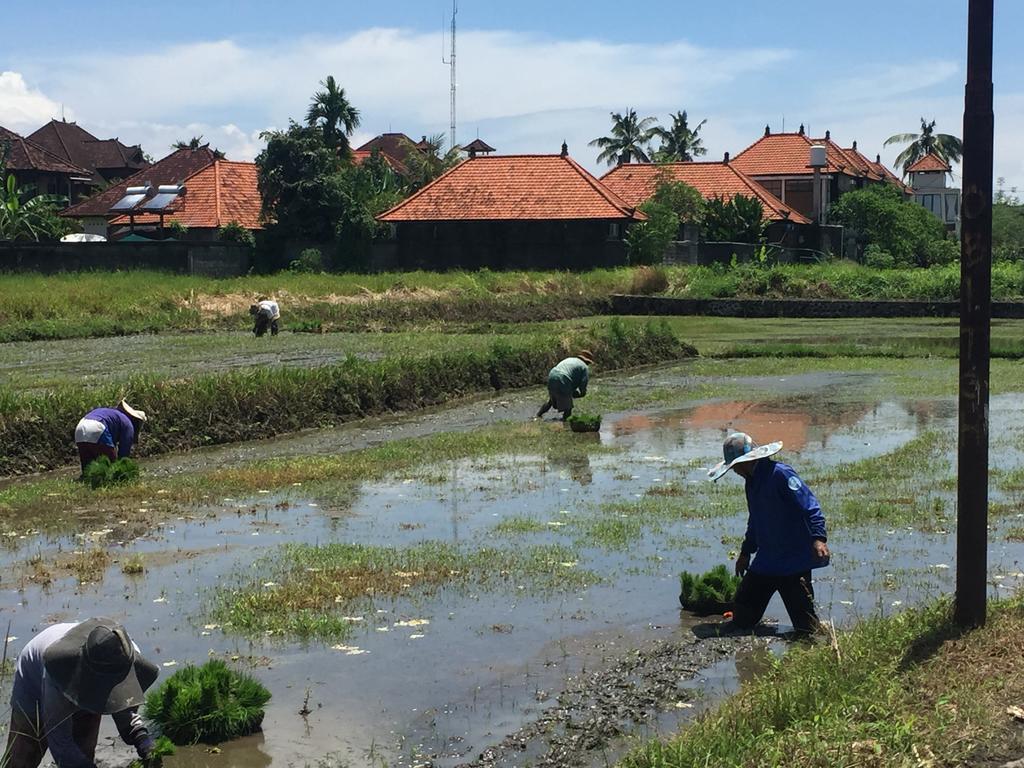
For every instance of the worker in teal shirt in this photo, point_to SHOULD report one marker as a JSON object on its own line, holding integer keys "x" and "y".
{"x": 567, "y": 380}
{"x": 785, "y": 534}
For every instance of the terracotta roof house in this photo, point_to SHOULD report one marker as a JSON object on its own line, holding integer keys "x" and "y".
{"x": 478, "y": 147}
{"x": 360, "y": 156}
{"x": 108, "y": 159}
{"x": 510, "y": 211}
{"x": 781, "y": 163}
{"x": 193, "y": 187}
{"x": 928, "y": 178}
{"x": 392, "y": 145}
{"x": 34, "y": 165}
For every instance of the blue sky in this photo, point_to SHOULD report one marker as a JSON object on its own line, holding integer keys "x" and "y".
{"x": 530, "y": 73}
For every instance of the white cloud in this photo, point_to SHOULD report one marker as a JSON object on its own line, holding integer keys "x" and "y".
{"x": 23, "y": 108}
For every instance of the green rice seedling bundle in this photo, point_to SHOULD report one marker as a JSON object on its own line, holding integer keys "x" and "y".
{"x": 584, "y": 422}
{"x": 161, "y": 749}
{"x": 211, "y": 703}
{"x": 713, "y": 592}
{"x": 103, "y": 472}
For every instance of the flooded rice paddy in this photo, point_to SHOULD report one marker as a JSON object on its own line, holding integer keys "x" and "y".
{"x": 553, "y": 632}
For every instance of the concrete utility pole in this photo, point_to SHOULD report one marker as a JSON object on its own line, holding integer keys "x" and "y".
{"x": 975, "y": 321}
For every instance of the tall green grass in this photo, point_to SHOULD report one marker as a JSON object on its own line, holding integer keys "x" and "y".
{"x": 255, "y": 403}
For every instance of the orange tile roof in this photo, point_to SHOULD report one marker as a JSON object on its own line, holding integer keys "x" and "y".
{"x": 864, "y": 166}
{"x": 360, "y": 156}
{"x": 789, "y": 154}
{"x": 878, "y": 167}
{"x": 513, "y": 187}
{"x": 634, "y": 183}
{"x": 222, "y": 192}
{"x": 930, "y": 162}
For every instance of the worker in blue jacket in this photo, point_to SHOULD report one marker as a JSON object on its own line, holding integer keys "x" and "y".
{"x": 785, "y": 534}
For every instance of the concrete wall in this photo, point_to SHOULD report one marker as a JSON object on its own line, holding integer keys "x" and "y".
{"x": 209, "y": 259}
{"x": 662, "y": 305}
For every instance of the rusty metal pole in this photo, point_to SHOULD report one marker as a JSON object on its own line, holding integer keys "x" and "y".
{"x": 975, "y": 321}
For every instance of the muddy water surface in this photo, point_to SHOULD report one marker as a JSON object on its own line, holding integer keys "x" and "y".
{"x": 440, "y": 679}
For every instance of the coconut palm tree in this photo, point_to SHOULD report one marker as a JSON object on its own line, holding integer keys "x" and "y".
{"x": 330, "y": 109}
{"x": 679, "y": 143}
{"x": 943, "y": 145}
{"x": 427, "y": 159}
{"x": 629, "y": 139}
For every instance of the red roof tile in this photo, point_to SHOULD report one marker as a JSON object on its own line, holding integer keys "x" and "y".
{"x": 222, "y": 192}
{"x": 27, "y": 155}
{"x": 930, "y": 162}
{"x": 396, "y": 145}
{"x": 788, "y": 154}
{"x": 513, "y": 187}
{"x": 173, "y": 169}
{"x": 360, "y": 156}
{"x": 634, "y": 183}
{"x": 76, "y": 145}
{"x": 864, "y": 166}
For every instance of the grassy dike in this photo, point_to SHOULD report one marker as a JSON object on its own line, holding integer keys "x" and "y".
{"x": 906, "y": 690}
{"x": 256, "y": 403}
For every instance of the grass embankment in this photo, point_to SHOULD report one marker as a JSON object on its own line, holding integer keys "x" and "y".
{"x": 249, "y": 404}
{"x": 908, "y": 690}
{"x": 79, "y": 305}
{"x": 34, "y": 307}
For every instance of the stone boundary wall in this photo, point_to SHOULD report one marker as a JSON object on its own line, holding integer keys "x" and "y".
{"x": 186, "y": 258}
{"x": 666, "y": 305}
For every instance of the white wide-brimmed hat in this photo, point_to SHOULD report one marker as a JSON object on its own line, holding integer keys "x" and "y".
{"x": 135, "y": 413}
{"x": 738, "y": 448}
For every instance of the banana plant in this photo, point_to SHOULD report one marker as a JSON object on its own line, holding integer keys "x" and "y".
{"x": 27, "y": 218}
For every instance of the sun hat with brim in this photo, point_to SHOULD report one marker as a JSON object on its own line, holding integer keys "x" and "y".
{"x": 738, "y": 448}
{"x": 586, "y": 356}
{"x": 97, "y": 668}
{"x": 135, "y": 413}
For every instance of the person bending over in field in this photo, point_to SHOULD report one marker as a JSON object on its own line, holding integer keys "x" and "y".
{"x": 65, "y": 679}
{"x": 265, "y": 313}
{"x": 109, "y": 432}
{"x": 567, "y": 380}
{"x": 785, "y": 529}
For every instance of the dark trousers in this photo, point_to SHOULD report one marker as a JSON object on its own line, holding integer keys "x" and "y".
{"x": 262, "y": 324}
{"x": 87, "y": 452}
{"x": 26, "y": 742}
{"x": 757, "y": 589}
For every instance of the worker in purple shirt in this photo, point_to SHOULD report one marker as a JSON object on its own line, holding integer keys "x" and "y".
{"x": 65, "y": 679}
{"x": 109, "y": 432}
{"x": 785, "y": 533}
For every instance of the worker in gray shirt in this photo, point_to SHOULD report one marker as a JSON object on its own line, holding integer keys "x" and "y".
{"x": 567, "y": 380}
{"x": 66, "y": 678}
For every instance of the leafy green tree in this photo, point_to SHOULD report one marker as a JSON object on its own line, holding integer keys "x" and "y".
{"x": 686, "y": 201}
{"x": 927, "y": 142}
{"x": 647, "y": 241}
{"x": 233, "y": 232}
{"x": 428, "y": 160}
{"x": 331, "y": 111}
{"x": 679, "y": 143}
{"x": 1007, "y": 225}
{"x": 630, "y": 138}
{"x": 739, "y": 219}
{"x": 27, "y": 217}
{"x": 879, "y": 215}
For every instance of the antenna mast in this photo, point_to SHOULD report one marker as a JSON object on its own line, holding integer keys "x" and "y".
{"x": 451, "y": 63}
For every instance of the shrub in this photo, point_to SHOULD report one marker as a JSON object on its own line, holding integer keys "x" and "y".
{"x": 211, "y": 703}
{"x": 178, "y": 230}
{"x": 233, "y": 232}
{"x": 877, "y": 257}
{"x": 740, "y": 219}
{"x": 879, "y": 215}
{"x": 711, "y": 593}
{"x": 310, "y": 260}
{"x": 648, "y": 281}
{"x": 584, "y": 422}
{"x": 102, "y": 472}
{"x": 647, "y": 241}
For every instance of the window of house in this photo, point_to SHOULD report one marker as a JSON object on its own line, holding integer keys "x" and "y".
{"x": 932, "y": 202}
{"x": 774, "y": 187}
{"x": 952, "y": 207}
{"x": 800, "y": 196}
{"x": 614, "y": 230}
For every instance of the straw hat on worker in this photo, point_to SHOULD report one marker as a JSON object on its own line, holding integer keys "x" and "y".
{"x": 740, "y": 447}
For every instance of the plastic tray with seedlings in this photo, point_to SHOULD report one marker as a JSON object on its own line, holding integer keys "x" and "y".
{"x": 710, "y": 593}
{"x": 102, "y": 472}
{"x": 584, "y": 422}
{"x": 209, "y": 704}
